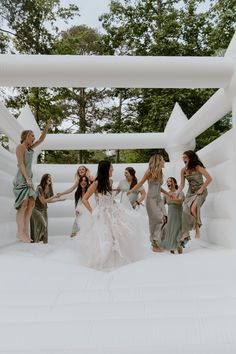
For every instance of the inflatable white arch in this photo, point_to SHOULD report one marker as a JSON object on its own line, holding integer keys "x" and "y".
{"x": 167, "y": 72}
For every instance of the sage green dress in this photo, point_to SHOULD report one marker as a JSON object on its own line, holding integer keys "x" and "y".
{"x": 189, "y": 222}
{"x": 172, "y": 231}
{"x": 155, "y": 210}
{"x": 20, "y": 187}
{"x": 39, "y": 217}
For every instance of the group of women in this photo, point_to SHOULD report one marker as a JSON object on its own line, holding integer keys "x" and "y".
{"x": 110, "y": 233}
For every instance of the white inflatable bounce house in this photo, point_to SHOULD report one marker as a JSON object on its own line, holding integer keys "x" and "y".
{"x": 164, "y": 304}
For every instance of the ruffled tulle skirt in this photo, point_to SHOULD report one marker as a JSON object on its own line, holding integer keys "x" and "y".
{"x": 111, "y": 237}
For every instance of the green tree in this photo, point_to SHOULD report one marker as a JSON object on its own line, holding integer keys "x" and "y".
{"x": 33, "y": 23}
{"x": 83, "y": 106}
{"x": 33, "y": 30}
{"x": 163, "y": 28}
{"x": 222, "y": 15}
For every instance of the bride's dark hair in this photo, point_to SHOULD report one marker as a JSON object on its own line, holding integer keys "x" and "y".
{"x": 103, "y": 177}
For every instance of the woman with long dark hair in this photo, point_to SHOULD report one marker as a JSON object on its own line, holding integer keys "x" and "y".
{"x": 39, "y": 217}
{"x": 79, "y": 193}
{"x": 111, "y": 236}
{"x": 172, "y": 230}
{"x": 138, "y": 196}
{"x": 193, "y": 172}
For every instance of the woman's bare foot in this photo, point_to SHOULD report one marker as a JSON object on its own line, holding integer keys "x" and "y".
{"x": 73, "y": 234}
{"x": 23, "y": 238}
{"x": 184, "y": 236}
{"x": 197, "y": 234}
{"x": 156, "y": 249}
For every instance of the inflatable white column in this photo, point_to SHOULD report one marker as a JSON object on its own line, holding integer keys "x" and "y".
{"x": 234, "y": 137}
{"x": 28, "y": 122}
{"x": 176, "y": 148}
{"x": 231, "y": 92}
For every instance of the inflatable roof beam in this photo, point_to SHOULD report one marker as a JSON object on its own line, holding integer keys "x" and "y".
{"x": 104, "y": 141}
{"x": 115, "y": 71}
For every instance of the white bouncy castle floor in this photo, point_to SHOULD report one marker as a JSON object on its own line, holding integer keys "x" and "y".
{"x": 176, "y": 304}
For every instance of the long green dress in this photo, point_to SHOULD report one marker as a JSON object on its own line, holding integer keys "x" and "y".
{"x": 172, "y": 231}
{"x": 189, "y": 222}
{"x": 155, "y": 210}
{"x": 20, "y": 187}
{"x": 39, "y": 217}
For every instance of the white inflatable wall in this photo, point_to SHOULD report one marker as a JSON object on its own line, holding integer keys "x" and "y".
{"x": 217, "y": 213}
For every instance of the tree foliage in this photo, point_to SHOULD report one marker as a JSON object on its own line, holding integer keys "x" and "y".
{"x": 34, "y": 23}
{"x": 167, "y": 28}
{"x": 131, "y": 27}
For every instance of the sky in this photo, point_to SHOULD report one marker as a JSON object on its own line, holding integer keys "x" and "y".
{"x": 90, "y": 10}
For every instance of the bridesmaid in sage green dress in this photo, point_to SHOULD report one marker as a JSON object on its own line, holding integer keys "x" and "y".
{"x": 154, "y": 204}
{"x": 171, "y": 232}
{"x": 39, "y": 217}
{"x": 193, "y": 172}
{"x": 22, "y": 185}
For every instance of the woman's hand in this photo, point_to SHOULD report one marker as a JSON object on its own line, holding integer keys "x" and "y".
{"x": 175, "y": 196}
{"x": 135, "y": 204}
{"x": 164, "y": 219}
{"x": 199, "y": 192}
{"x": 29, "y": 183}
{"x": 171, "y": 195}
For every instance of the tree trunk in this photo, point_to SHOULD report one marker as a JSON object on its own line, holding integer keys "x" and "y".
{"x": 119, "y": 119}
{"x": 82, "y": 120}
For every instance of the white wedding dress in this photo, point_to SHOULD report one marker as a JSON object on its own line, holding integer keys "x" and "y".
{"x": 112, "y": 236}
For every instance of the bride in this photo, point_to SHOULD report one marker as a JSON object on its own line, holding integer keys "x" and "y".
{"x": 111, "y": 235}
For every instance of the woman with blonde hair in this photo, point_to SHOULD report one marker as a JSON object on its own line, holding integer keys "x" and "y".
{"x": 154, "y": 204}
{"x": 22, "y": 185}
{"x": 82, "y": 171}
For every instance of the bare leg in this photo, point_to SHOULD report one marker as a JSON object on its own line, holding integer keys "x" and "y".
{"x": 20, "y": 217}
{"x": 28, "y": 212}
{"x": 180, "y": 250}
{"x": 184, "y": 236}
{"x": 194, "y": 213}
{"x": 197, "y": 234}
